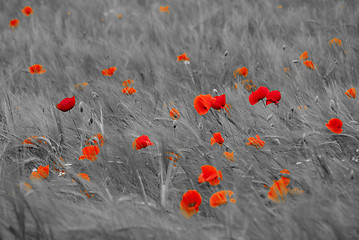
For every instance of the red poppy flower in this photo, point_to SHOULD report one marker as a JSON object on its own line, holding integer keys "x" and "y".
{"x": 241, "y": 71}
{"x": 141, "y": 142}
{"x": 37, "y": 68}
{"x": 219, "y": 102}
{"x": 41, "y": 173}
{"x": 304, "y": 56}
{"x": 335, "y": 125}
{"x": 217, "y": 138}
{"x": 210, "y": 174}
{"x": 220, "y": 198}
{"x": 90, "y": 153}
{"x": 174, "y": 114}
{"x": 109, "y": 72}
{"x": 66, "y": 104}
{"x": 256, "y": 142}
{"x": 191, "y": 200}
{"x": 27, "y": 11}
{"x": 351, "y": 93}
{"x": 182, "y": 57}
{"x": 258, "y": 95}
{"x": 14, "y": 23}
{"x": 129, "y": 90}
{"x": 309, "y": 64}
{"x": 273, "y": 97}
{"x": 202, "y": 103}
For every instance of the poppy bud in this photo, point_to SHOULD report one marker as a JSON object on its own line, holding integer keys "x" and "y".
{"x": 94, "y": 95}
{"x": 215, "y": 91}
{"x": 226, "y": 53}
{"x": 81, "y": 107}
{"x": 295, "y": 61}
{"x": 200, "y": 126}
{"x": 272, "y": 125}
{"x": 269, "y": 117}
{"x": 332, "y": 105}
{"x": 90, "y": 121}
{"x": 174, "y": 123}
{"x": 284, "y": 47}
{"x": 53, "y": 149}
{"x": 276, "y": 141}
{"x": 351, "y": 174}
{"x": 316, "y": 99}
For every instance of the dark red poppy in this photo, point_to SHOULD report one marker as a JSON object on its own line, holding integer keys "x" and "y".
{"x": 273, "y": 97}
{"x": 218, "y": 102}
{"x": 66, "y": 104}
{"x": 258, "y": 95}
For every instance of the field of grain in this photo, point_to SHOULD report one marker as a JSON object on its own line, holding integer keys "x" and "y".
{"x": 136, "y": 194}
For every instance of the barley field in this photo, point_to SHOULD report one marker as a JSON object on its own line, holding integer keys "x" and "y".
{"x": 136, "y": 153}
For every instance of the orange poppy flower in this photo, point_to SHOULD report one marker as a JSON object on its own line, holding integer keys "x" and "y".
{"x": 27, "y": 11}
{"x": 191, "y": 200}
{"x": 174, "y": 114}
{"x": 220, "y": 198}
{"x": 210, "y": 174}
{"x": 100, "y": 138}
{"x": 202, "y": 103}
{"x": 128, "y": 82}
{"x": 14, "y": 23}
{"x": 219, "y": 102}
{"x": 109, "y": 72}
{"x": 164, "y": 9}
{"x": 335, "y": 125}
{"x": 84, "y": 176}
{"x": 241, "y": 71}
{"x": 309, "y": 64}
{"x": 278, "y": 189}
{"x": 81, "y": 86}
{"x": 304, "y": 56}
{"x": 174, "y": 158}
{"x": 66, "y": 104}
{"x": 119, "y": 16}
{"x": 141, "y": 142}
{"x": 351, "y": 93}
{"x": 32, "y": 140}
{"x": 37, "y": 68}
{"x": 27, "y": 186}
{"x": 129, "y": 91}
{"x": 295, "y": 191}
{"x": 182, "y": 57}
{"x": 41, "y": 173}
{"x": 229, "y": 156}
{"x": 256, "y": 142}
{"x": 335, "y": 41}
{"x": 90, "y": 153}
{"x": 217, "y": 138}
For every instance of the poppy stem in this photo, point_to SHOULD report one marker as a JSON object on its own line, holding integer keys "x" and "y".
{"x": 142, "y": 187}
{"x": 190, "y": 73}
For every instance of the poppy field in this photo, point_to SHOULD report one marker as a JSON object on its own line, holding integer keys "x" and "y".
{"x": 187, "y": 119}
